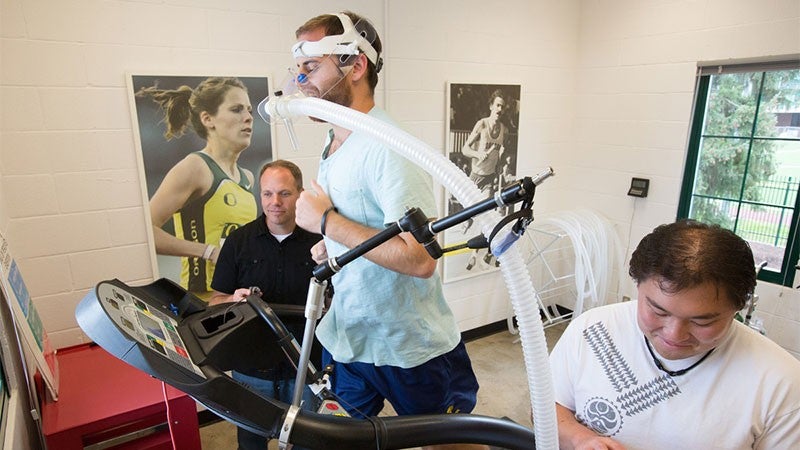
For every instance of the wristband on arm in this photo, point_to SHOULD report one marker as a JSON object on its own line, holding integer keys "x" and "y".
{"x": 324, "y": 220}
{"x": 208, "y": 252}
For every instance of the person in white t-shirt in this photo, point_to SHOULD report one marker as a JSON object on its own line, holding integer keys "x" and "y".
{"x": 673, "y": 369}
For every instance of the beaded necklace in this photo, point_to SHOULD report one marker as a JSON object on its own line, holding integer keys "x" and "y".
{"x": 673, "y": 373}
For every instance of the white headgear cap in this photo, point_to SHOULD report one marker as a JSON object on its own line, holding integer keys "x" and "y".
{"x": 350, "y": 43}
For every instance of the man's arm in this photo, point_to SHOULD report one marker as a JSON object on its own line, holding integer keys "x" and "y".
{"x": 402, "y": 253}
{"x": 468, "y": 149}
{"x": 220, "y": 297}
{"x": 574, "y": 436}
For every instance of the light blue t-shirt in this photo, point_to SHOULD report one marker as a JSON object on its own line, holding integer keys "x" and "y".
{"x": 379, "y": 316}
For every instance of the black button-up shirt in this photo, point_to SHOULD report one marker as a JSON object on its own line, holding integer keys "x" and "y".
{"x": 252, "y": 256}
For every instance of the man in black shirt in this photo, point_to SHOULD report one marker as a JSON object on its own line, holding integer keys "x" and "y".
{"x": 273, "y": 254}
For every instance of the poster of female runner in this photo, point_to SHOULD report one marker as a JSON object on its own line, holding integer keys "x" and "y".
{"x": 200, "y": 151}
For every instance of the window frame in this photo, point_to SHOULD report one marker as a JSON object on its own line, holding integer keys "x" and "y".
{"x": 786, "y": 275}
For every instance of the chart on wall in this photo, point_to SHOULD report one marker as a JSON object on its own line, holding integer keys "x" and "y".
{"x": 26, "y": 318}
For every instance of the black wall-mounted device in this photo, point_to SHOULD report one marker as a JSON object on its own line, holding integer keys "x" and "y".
{"x": 639, "y": 187}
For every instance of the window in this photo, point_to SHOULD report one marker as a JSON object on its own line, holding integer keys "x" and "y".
{"x": 743, "y": 164}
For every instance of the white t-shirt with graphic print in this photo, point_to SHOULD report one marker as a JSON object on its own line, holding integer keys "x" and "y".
{"x": 745, "y": 395}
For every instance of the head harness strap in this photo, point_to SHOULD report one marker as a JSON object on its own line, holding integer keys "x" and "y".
{"x": 350, "y": 42}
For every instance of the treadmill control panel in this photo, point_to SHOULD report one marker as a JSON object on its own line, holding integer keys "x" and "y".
{"x": 145, "y": 324}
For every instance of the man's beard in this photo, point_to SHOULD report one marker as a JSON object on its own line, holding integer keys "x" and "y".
{"x": 340, "y": 93}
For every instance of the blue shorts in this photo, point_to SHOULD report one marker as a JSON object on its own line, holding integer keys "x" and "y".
{"x": 445, "y": 384}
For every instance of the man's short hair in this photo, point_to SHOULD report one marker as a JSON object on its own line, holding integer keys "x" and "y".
{"x": 297, "y": 174}
{"x": 331, "y": 24}
{"x": 687, "y": 253}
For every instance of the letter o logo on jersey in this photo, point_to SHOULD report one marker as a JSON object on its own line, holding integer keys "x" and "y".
{"x": 227, "y": 229}
{"x": 230, "y": 199}
{"x": 194, "y": 266}
{"x": 193, "y": 233}
{"x": 602, "y": 416}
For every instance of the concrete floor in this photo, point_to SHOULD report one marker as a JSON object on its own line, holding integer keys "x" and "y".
{"x": 498, "y": 363}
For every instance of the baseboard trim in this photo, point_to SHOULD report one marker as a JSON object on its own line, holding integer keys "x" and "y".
{"x": 502, "y": 325}
{"x": 486, "y": 330}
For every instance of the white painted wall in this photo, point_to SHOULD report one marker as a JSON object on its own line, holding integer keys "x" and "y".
{"x": 607, "y": 93}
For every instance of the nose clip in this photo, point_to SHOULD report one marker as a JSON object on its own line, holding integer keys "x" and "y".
{"x": 302, "y": 78}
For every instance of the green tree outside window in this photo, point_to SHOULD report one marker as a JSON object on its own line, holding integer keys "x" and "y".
{"x": 743, "y": 164}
